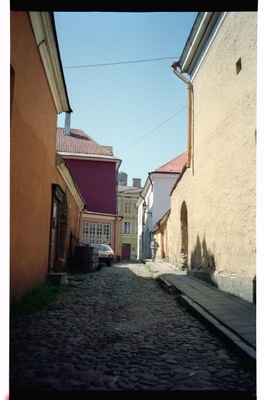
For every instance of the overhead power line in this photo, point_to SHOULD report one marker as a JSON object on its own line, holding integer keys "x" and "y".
{"x": 121, "y": 62}
{"x": 163, "y": 123}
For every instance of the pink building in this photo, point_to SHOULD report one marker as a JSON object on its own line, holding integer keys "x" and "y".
{"x": 94, "y": 169}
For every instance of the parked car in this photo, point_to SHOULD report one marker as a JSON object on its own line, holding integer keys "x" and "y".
{"x": 106, "y": 254}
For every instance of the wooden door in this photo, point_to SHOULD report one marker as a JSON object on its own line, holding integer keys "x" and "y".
{"x": 54, "y": 237}
{"x": 126, "y": 251}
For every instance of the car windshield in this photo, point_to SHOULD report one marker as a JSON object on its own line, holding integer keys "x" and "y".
{"x": 102, "y": 247}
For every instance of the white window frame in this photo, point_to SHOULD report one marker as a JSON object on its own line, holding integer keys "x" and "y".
{"x": 96, "y": 232}
{"x": 128, "y": 207}
{"x": 127, "y": 227}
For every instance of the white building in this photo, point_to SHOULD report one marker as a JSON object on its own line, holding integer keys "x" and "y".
{"x": 154, "y": 201}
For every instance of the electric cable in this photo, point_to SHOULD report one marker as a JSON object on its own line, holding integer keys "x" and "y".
{"x": 163, "y": 123}
{"x": 120, "y": 62}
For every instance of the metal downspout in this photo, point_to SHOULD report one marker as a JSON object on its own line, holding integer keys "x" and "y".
{"x": 189, "y": 87}
{"x": 143, "y": 232}
{"x": 149, "y": 177}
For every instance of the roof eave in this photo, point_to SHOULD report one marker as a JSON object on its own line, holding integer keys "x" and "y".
{"x": 155, "y": 174}
{"x": 46, "y": 38}
{"x": 71, "y": 184}
{"x": 99, "y": 215}
{"x": 94, "y": 157}
{"x": 199, "y": 34}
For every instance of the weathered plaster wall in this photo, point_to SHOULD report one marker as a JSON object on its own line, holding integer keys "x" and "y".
{"x": 182, "y": 193}
{"x": 32, "y": 161}
{"x": 220, "y": 186}
{"x": 32, "y": 149}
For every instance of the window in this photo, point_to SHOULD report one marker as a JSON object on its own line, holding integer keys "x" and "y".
{"x": 127, "y": 207}
{"x": 93, "y": 232}
{"x": 126, "y": 227}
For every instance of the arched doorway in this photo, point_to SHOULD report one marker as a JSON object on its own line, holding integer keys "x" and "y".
{"x": 184, "y": 235}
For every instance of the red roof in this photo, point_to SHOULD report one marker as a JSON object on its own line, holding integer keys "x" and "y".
{"x": 80, "y": 142}
{"x": 175, "y": 165}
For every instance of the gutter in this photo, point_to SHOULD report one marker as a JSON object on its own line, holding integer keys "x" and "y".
{"x": 43, "y": 27}
{"x": 197, "y": 39}
{"x": 95, "y": 157}
{"x": 189, "y": 87}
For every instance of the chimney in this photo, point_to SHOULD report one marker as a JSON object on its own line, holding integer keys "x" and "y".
{"x": 123, "y": 179}
{"x": 137, "y": 182}
{"x": 67, "y": 124}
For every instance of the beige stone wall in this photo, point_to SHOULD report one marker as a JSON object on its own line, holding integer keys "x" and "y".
{"x": 182, "y": 193}
{"x": 220, "y": 187}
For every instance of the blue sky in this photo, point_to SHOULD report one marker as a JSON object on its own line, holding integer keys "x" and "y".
{"x": 118, "y": 98}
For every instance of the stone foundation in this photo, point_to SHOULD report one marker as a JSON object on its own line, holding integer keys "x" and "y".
{"x": 229, "y": 283}
{"x": 57, "y": 278}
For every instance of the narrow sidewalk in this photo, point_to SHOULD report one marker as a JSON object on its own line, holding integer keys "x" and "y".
{"x": 233, "y": 318}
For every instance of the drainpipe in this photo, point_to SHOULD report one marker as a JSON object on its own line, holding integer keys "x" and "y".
{"x": 149, "y": 177}
{"x": 142, "y": 255}
{"x": 174, "y": 65}
{"x": 143, "y": 222}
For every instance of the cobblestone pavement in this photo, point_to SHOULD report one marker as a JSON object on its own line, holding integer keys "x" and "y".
{"x": 116, "y": 329}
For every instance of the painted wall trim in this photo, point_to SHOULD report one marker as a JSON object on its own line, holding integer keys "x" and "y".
{"x": 64, "y": 171}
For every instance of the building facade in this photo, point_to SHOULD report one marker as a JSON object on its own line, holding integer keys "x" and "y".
{"x": 45, "y": 203}
{"x": 213, "y": 204}
{"x": 95, "y": 170}
{"x": 128, "y": 217}
{"x": 154, "y": 202}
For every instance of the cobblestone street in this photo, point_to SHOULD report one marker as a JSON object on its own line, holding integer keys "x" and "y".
{"x": 116, "y": 329}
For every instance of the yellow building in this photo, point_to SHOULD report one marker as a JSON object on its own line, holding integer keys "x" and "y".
{"x": 128, "y": 213}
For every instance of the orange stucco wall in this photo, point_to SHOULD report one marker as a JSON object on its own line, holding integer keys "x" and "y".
{"x": 32, "y": 160}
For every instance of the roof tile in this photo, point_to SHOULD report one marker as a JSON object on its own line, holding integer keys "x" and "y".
{"x": 79, "y": 142}
{"x": 175, "y": 165}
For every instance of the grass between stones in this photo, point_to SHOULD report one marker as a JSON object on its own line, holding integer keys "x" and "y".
{"x": 36, "y": 299}
{"x": 149, "y": 268}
